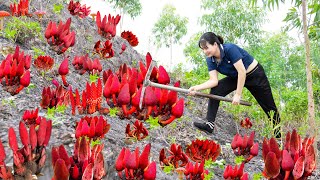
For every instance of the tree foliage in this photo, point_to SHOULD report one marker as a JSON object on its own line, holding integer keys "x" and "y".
{"x": 170, "y": 27}
{"x": 294, "y": 16}
{"x": 233, "y": 20}
{"x": 130, "y": 7}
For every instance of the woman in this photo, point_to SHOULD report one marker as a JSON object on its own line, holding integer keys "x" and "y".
{"x": 241, "y": 70}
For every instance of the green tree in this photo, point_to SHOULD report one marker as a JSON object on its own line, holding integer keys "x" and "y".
{"x": 295, "y": 19}
{"x": 131, "y": 7}
{"x": 233, "y": 20}
{"x": 170, "y": 28}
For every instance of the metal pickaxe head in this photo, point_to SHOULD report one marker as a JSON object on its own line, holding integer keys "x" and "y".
{"x": 146, "y": 82}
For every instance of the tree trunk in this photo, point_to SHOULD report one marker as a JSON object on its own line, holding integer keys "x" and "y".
{"x": 311, "y": 111}
{"x": 170, "y": 65}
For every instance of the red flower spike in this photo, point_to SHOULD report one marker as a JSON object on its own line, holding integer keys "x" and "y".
{"x": 24, "y": 135}
{"x": 61, "y": 172}
{"x": 64, "y": 70}
{"x": 272, "y": 166}
{"x": 13, "y": 140}
{"x": 132, "y": 159}
{"x": 150, "y": 100}
{"x": 150, "y": 172}
{"x": 48, "y": 133}
{"x": 24, "y": 81}
{"x": 92, "y": 129}
{"x": 119, "y": 162}
{"x": 115, "y": 89}
{"x": 41, "y": 133}
{"x": 287, "y": 163}
{"x": 33, "y": 137}
{"x": 143, "y": 159}
{"x": 2, "y": 154}
{"x": 163, "y": 77}
{"x": 124, "y": 99}
{"x": 298, "y": 169}
{"x": 176, "y": 112}
{"x": 123, "y": 48}
{"x": 173, "y": 95}
{"x": 88, "y": 172}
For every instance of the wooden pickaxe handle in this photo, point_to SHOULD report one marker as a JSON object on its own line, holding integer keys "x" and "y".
{"x": 147, "y": 82}
{"x": 221, "y": 98}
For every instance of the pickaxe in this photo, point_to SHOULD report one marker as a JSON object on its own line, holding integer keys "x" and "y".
{"x": 147, "y": 82}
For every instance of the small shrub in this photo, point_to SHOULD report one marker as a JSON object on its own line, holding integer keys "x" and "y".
{"x": 22, "y": 30}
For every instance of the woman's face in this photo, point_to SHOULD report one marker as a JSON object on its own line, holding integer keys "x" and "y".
{"x": 210, "y": 50}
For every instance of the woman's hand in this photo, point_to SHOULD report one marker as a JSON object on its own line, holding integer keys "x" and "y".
{"x": 192, "y": 90}
{"x": 236, "y": 99}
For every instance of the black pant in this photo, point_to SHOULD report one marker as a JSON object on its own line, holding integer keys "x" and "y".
{"x": 258, "y": 85}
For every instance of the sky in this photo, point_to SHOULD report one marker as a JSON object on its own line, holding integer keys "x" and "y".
{"x": 142, "y": 25}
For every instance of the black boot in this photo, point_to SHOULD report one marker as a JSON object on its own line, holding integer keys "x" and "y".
{"x": 207, "y": 127}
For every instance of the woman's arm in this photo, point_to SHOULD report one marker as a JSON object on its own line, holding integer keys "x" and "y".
{"x": 241, "y": 80}
{"x": 212, "y": 82}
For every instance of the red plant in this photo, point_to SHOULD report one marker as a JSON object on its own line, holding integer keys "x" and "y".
{"x": 107, "y": 27}
{"x": 235, "y": 173}
{"x": 130, "y": 37}
{"x": 54, "y": 97}
{"x": 200, "y": 150}
{"x": 44, "y": 63}
{"x": 123, "y": 48}
{"x": 64, "y": 70}
{"x": 84, "y": 64}
{"x": 92, "y": 127}
{"x": 245, "y": 146}
{"x": 176, "y": 112}
{"x": 86, "y": 163}
{"x": 177, "y": 157}
{"x": 195, "y": 171}
{"x": 138, "y": 132}
{"x": 136, "y": 166}
{"x": 296, "y": 161}
{"x": 31, "y": 157}
{"x": 124, "y": 99}
{"x": 5, "y": 172}
{"x": 14, "y": 72}
{"x": 76, "y": 9}
{"x": 91, "y": 99}
{"x": 246, "y": 123}
{"x": 106, "y": 51}
{"x": 60, "y": 38}
{"x": 31, "y": 117}
{"x": 21, "y": 9}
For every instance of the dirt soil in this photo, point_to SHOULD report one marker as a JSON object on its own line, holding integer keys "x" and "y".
{"x": 182, "y": 133}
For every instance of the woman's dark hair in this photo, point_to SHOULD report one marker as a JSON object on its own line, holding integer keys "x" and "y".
{"x": 211, "y": 38}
